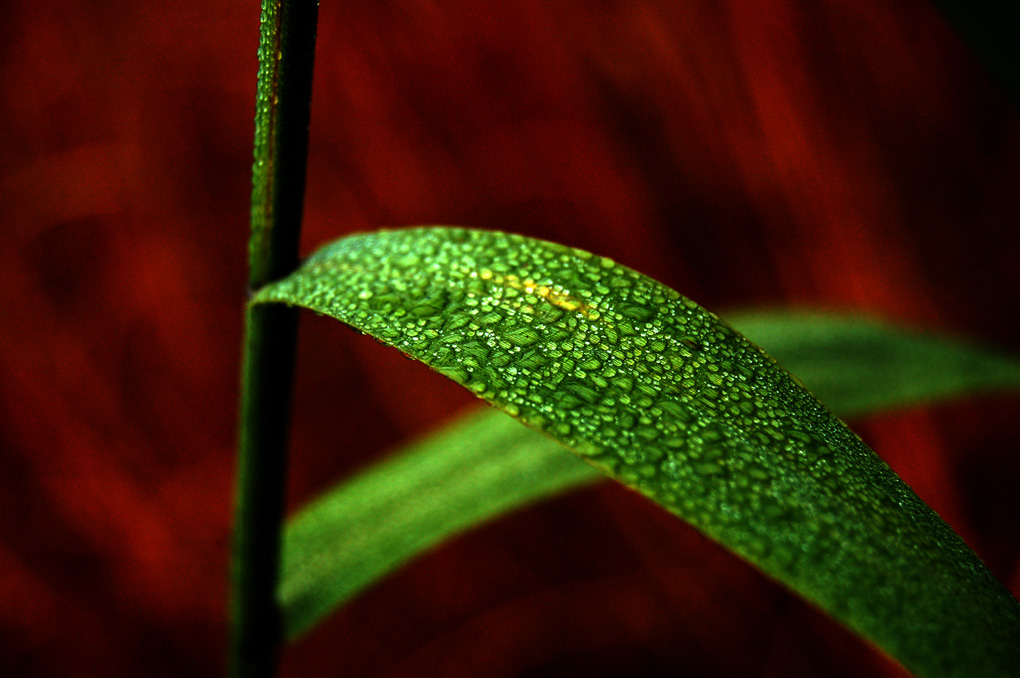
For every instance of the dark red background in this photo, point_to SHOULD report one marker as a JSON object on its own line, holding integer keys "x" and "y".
{"x": 851, "y": 155}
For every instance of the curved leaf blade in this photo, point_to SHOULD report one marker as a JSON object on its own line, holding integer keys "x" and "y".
{"x": 663, "y": 396}
{"x": 485, "y": 464}
{"x": 857, "y": 365}
{"x": 481, "y": 466}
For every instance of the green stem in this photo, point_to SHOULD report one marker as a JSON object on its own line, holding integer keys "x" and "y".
{"x": 286, "y": 59}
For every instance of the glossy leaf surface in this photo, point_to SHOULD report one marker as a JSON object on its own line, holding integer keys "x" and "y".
{"x": 661, "y": 395}
{"x": 485, "y": 464}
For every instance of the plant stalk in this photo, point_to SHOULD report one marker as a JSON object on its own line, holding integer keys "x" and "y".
{"x": 283, "y": 105}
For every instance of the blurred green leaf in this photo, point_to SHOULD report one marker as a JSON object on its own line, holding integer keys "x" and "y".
{"x": 481, "y": 466}
{"x": 857, "y": 365}
{"x": 661, "y": 395}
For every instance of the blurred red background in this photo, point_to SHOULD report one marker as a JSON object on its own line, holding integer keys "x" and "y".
{"x": 849, "y": 155}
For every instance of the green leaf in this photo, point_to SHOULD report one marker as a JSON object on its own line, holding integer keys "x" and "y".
{"x": 482, "y": 466}
{"x": 485, "y": 464}
{"x": 856, "y": 365}
{"x": 661, "y": 395}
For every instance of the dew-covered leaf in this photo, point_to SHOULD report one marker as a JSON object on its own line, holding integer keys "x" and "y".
{"x": 658, "y": 393}
{"x": 485, "y": 464}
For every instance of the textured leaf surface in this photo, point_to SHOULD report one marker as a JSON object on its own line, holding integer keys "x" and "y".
{"x": 485, "y": 464}
{"x": 661, "y": 395}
